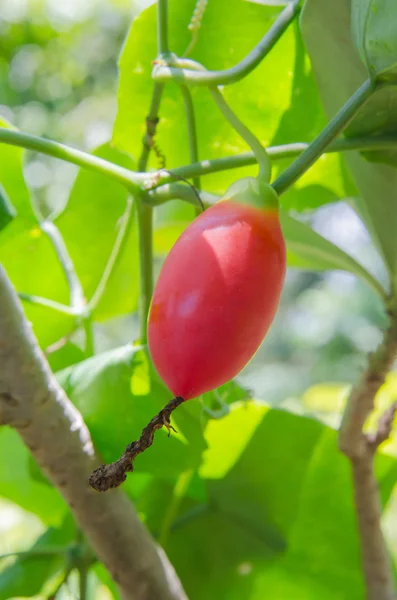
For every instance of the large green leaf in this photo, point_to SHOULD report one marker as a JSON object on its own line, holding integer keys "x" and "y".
{"x": 118, "y": 394}
{"x": 277, "y": 95}
{"x": 7, "y": 210}
{"x": 306, "y": 249}
{"x": 374, "y": 29}
{"x": 27, "y": 254}
{"x": 239, "y": 28}
{"x": 89, "y": 225}
{"x": 18, "y": 484}
{"x": 327, "y": 180}
{"x": 339, "y": 73}
{"x": 278, "y": 518}
{"x": 309, "y": 250}
{"x": 27, "y": 575}
{"x": 33, "y": 267}
{"x": 12, "y": 180}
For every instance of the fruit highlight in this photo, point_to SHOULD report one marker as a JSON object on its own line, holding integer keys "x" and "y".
{"x": 218, "y": 291}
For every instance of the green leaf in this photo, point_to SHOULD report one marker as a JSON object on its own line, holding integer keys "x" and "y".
{"x": 279, "y": 510}
{"x": 374, "y": 30}
{"x": 239, "y": 27}
{"x": 310, "y": 250}
{"x": 65, "y": 355}
{"x": 13, "y": 183}
{"x": 89, "y": 225}
{"x": 306, "y": 249}
{"x": 104, "y": 576}
{"x": 327, "y": 180}
{"x": 29, "y": 258}
{"x": 18, "y": 485}
{"x": 118, "y": 394}
{"x": 27, "y": 254}
{"x": 7, "y": 211}
{"x": 27, "y": 575}
{"x": 339, "y": 73}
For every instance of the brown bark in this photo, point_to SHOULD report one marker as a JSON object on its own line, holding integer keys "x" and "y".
{"x": 33, "y": 403}
{"x": 360, "y": 449}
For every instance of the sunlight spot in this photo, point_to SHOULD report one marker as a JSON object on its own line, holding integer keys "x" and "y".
{"x": 35, "y": 232}
{"x": 244, "y": 568}
{"x": 138, "y": 69}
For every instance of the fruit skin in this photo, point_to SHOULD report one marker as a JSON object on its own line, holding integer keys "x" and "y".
{"x": 216, "y": 296}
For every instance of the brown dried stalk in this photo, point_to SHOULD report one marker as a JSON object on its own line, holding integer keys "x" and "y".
{"x": 113, "y": 475}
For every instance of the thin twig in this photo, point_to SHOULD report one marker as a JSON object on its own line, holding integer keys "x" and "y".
{"x": 188, "y": 76}
{"x": 77, "y": 300}
{"x": 360, "y": 449}
{"x": 136, "y": 180}
{"x": 46, "y": 302}
{"x": 115, "y": 255}
{"x": 113, "y": 475}
{"x": 318, "y": 146}
{"x": 192, "y": 130}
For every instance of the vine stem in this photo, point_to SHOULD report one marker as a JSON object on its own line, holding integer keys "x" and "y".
{"x": 162, "y": 26}
{"x": 192, "y": 131}
{"x": 38, "y": 552}
{"x": 145, "y": 235}
{"x": 148, "y": 137}
{"x": 360, "y": 449}
{"x": 205, "y": 167}
{"x": 77, "y": 157}
{"x": 135, "y": 180}
{"x": 328, "y": 134}
{"x": 243, "y": 68}
{"x": 247, "y": 135}
{"x": 145, "y": 211}
{"x": 83, "y": 581}
{"x": 47, "y": 303}
{"x": 178, "y": 493}
{"x": 77, "y": 301}
{"x": 115, "y": 255}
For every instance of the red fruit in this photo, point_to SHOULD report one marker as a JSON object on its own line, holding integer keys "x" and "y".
{"x": 217, "y": 294}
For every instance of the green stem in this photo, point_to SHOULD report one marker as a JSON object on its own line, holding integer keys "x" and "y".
{"x": 134, "y": 180}
{"x": 77, "y": 300}
{"x": 252, "y": 141}
{"x": 144, "y": 211}
{"x": 191, "y": 129}
{"x": 178, "y": 494}
{"x": 181, "y": 191}
{"x": 151, "y": 118}
{"x": 115, "y": 256}
{"x": 243, "y": 68}
{"x": 37, "y": 553}
{"x": 205, "y": 167}
{"x": 83, "y": 581}
{"x": 145, "y": 232}
{"x": 61, "y": 308}
{"x": 162, "y": 26}
{"x": 329, "y": 133}
{"x": 88, "y": 327}
{"x": 190, "y": 515}
{"x": 65, "y": 577}
{"x": 76, "y": 291}
{"x": 77, "y": 157}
